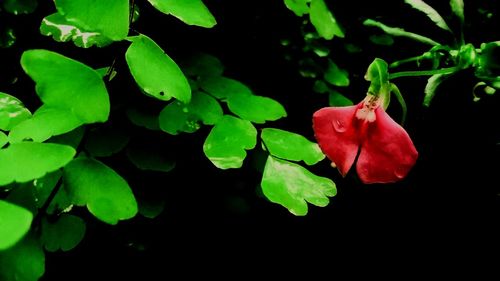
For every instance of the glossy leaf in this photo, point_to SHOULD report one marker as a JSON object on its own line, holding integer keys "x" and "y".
{"x": 324, "y": 21}
{"x": 192, "y": 12}
{"x": 149, "y": 158}
{"x": 105, "y": 141}
{"x": 143, "y": 118}
{"x": 18, "y": 7}
{"x": 203, "y": 65}
{"x": 457, "y": 6}
{"x": 46, "y": 122}
{"x": 298, "y": 7}
{"x": 430, "y": 12}
{"x": 226, "y": 144}
{"x": 337, "y": 99}
{"x": 24, "y": 262}
{"x": 335, "y": 75}
{"x": 178, "y": 117}
{"x": 63, "y": 234}
{"x": 110, "y": 17}
{"x": 12, "y": 112}
{"x": 22, "y": 162}
{"x": 155, "y": 72}
{"x": 3, "y": 139}
{"x": 61, "y": 30}
{"x": 291, "y": 146}
{"x": 15, "y": 222}
{"x": 67, "y": 84}
{"x": 223, "y": 88}
{"x": 105, "y": 193}
{"x": 291, "y": 186}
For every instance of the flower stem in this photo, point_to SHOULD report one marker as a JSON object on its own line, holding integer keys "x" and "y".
{"x": 424, "y": 72}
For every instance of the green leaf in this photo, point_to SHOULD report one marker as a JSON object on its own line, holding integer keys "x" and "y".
{"x": 320, "y": 87}
{"x": 223, "y": 88}
{"x": 457, "y": 6}
{"x": 396, "y": 31}
{"x": 61, "y": 30}
{"x": 378, "y": 75}
{"x": 42, "y": 187}
{"x": 432, "y": 84}
{"x": 23, "y": 262}
{"x": 430, "y": 12}
{"x": 151, "y": 208}
{"x": 67, "y": 84}
{"x": 22, "y": 162}
{"x": 178, "y": 117}
{"x": 155, "y": 72}
{"x": 324, "y": 21}
{"x": 72, "y": 138}
{"x": 335, "y": 75}
{"x": 15, "y": 222}
{"x": 12, "y": 112}
{"x": 18, "y": 7}
{"x": 46, "y": 122}
{"x": 291, "y": 186}
{"x": 203, "y": 65}
{"x": 242, "y": 102}
{"x": 22, "y": 195}
{"x": 143, "y": 118}
{"x": 337, "y": 99}
{"x": 105, "y": 141}
{"x": 63, "y": 234}
{"x": 226, "y": 144}
{"x": 383, "y": 39}
{"x": 291, "y": 146}
{"x": 105, "y": 193}
{"x": 192, "y": 12}
{"x": 149, "y": 158}
{"x": 298, "y": 7}
{"x": 3, "y": 139}
{"x": 110, "y": 17}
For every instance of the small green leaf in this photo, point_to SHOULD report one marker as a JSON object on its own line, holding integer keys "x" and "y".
{"x": 222, "y": 87}
{"x": 382, "y": 39}
{"x": 18, "y": 7}
{"x": 110, "y": 17}
{"x": 143, "y": 118}
{"x": 192, "y": 12}
{"x": 61, "y": 30}
{"x": 149, "y": 158}
{"x": 324, "y": 21}
{"x": 432, "y": 84}
{"x": 226, "y": 144}
{"x": 298, "y": 7}
{"x": 105, "y": 141}
{"x": 12, "y": 112}
{"x": 67, "y": 84}
{"x": 291, "y": 186}
{"x": 337, "y": 99}
{"x": 105, "y": 193}
{"x": 15, "y": 222}
{"x": 320, "y": 87}
{"x": 63, "y": 234}
{"x": 151, "y": 208}
{"x": 46, "y": 122}
{"x": 396, "y": 31}
{"x": 203, "y": 65}
{"x": 378, "y": 75}
{"x": 430, "y": 12}
{"x": 335, "y": 75}
{"x": 22, "y": 162}
{"x": 24, "y": 262}
{"x": 155, "y": 72}
{"x": 3, "y": 139}
{"x": 291, "y": 146}
{"x": 457, "y": 6}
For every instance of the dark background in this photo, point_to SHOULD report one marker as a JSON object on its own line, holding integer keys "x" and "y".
{"x": 448, "y": 203}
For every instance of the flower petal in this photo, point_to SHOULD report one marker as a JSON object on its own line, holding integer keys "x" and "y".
{"x": 337, "y": 135}
{"x": 387, "y": 153}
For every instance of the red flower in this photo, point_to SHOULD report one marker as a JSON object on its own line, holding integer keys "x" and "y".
{"x": 386, "y": 152}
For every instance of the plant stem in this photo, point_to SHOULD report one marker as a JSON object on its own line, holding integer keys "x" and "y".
{"x": 424, "y": 72}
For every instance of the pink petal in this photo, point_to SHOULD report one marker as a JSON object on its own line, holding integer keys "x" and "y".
{"x": 337, "y": 135}
{"x": 387, "y": 152}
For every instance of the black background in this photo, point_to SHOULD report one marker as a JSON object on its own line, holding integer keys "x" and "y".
{"x": 448, "y": 204}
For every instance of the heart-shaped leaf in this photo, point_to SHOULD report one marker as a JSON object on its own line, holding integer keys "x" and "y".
{"x": 65, "y": 233}
{"x": 155, "y": 72}
{"x": 291, "y": 186}
{"x": 226, "y": 144}
{"x": 15, "y": 222}
{"x": 22, "y": 162}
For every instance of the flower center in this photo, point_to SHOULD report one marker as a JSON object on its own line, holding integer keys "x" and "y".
{"x": 367, "y": 112}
